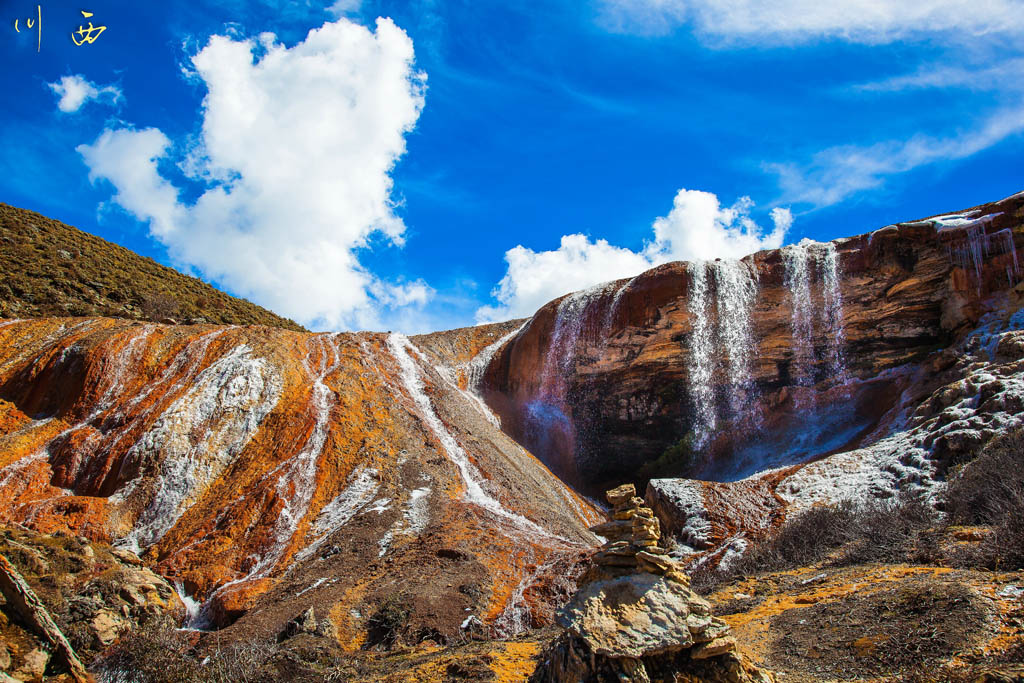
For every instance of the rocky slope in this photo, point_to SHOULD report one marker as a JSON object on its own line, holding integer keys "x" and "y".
{"x": 93, "y": 593}
{"x": 267, "y": 471}
{"x": 48, "y": 268}
{"x": 720, "y": 370}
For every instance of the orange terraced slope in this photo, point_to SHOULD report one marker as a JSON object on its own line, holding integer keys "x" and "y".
{"x": 266, "y": 470}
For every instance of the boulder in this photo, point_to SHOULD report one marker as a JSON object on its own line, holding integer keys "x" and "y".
{"x": 33, "y": 665}
{"x": 633, "y": 616}
{"x": 303, "y": 623}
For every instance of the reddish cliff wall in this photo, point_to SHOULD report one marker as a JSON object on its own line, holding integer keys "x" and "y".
{"x": 600, "y": 384}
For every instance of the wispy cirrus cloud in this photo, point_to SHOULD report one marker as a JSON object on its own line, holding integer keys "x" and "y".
{"x": 837, "y": 173}
{"x": 790, "y": 22}
{"x": 975, "y": 47}
{"x": 1006, "y": 75}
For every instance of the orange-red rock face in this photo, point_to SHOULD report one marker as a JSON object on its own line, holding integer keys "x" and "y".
{"x": 601, "y": 384}
{"x": 254, "y": 465}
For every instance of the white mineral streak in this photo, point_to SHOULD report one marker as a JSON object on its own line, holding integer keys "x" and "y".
{"x": 296, "y": 477}
{"x": 199, "y": 435}
{"x": 111, "y": 384}
{"x": 401, "y": 348}
{"x": 361, "y": 488}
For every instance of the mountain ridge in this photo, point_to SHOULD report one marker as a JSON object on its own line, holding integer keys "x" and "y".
{"x": 49, "y": 268}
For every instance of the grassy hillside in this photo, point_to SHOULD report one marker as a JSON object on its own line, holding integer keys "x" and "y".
{"x": 51, "y": 269}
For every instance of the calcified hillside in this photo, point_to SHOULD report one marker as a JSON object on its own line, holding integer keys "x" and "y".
{"x": 390, "y": 483}
{"x": 252, "y": 465}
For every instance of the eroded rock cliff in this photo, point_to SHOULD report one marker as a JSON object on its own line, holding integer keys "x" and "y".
{"x": 719, "y": 370}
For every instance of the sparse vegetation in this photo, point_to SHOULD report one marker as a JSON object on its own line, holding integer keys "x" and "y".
{"x": 51, "y": 269}
{"x": 845, "y": 534}
{"x": 384, "y": 628}
{"x": 159, "y": 306}
{"x": 989, "y": 491}
{"x": 163, "y": 654}
{"x": 677, "y": 460}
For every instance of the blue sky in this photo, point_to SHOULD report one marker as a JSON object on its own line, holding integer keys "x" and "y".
{"x": 465, "y": 161}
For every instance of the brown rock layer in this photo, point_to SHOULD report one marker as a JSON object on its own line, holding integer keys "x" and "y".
{"x": 598, "y": 384}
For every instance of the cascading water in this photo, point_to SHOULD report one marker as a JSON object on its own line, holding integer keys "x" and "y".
{"x": 609, "y": 316}
{"x": 735, "y": 295}
{"x": 561, "y": 352}
{"x": 551, "y": 433}
{"x": 970, "y": 251}
{"x": 798, "y": 282}
{"x": 477, "y": 367}
{"x": 736, "y": 285}
{"x": 799, "y": 259}
{"x": 702, "y": 359}
{"x": 475, "y": 370}
{"x": 833, "y": 311}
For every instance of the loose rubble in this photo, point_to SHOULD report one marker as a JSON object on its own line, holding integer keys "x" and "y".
{"x": 635, "y": 617}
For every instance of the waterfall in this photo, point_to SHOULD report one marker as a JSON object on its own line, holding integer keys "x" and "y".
{"x": 736, "y": 285}
{"x": 735, "y": 295}
{"x": 798, "y": 282}
{"x": 561, "y": 351}
{"x": 609, "y": 316}
{"x": 701, "y": 363}
{"x": 833, "y": 310}
{"x": 973, "y": 244}
{"x": 799, "y": 259}
{"x": 476, "y": 368}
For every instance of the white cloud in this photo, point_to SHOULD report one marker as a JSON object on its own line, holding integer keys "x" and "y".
{"x": 1006, "y": 75}
{"x": 341, "y": 8}
{"x": 800, "y": 21}
{"x": 534, "y": 278}
{"x": 75, "y": 91}
{"x": 296, "y": 149}
{"x": 697, "y": 227}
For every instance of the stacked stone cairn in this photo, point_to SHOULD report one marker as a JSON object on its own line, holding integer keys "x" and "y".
{"x": 634, "y": 535}
{"x": 634, "y": 617}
